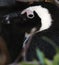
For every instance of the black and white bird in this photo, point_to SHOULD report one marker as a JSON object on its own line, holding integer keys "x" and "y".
{"x": 39, "y": 18}
{"x": 42, "y": 19}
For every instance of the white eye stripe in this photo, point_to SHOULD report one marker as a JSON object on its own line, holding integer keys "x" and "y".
{"x": 46, "y": 19}
{"x": 43, "y": 13}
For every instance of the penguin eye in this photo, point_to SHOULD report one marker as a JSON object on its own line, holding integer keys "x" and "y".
{"x": 30, "y": 16}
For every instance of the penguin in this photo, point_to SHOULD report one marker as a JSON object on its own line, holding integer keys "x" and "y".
{"x": 42, "y": 17}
